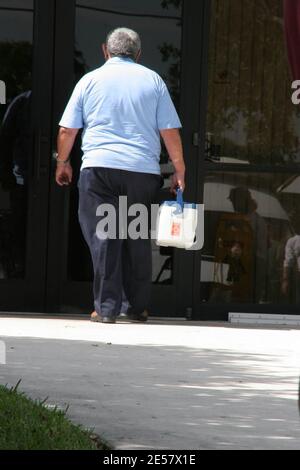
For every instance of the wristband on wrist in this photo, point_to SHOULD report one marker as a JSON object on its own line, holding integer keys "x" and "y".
{"x": 64, "y": 162}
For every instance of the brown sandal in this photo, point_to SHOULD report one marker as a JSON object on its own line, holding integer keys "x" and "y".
{"x": 95, "y": 318}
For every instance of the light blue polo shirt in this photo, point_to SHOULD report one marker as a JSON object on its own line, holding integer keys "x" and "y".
{"x": 121, "y": 107}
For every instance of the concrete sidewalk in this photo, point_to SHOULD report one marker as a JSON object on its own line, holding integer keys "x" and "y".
{"x": 162, "y": 386}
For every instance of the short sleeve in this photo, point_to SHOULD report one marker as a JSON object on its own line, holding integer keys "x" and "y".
{"x": 73, "y": 115}
{"x": 167, "y": 117}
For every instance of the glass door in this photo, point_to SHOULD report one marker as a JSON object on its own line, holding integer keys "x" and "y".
{"x": 26, "y": 29}
{"x": 166, "y": 29}
{"x": 250, "y": 261}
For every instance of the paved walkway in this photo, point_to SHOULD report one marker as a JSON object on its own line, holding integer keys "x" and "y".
{"x": 162, "y": 386}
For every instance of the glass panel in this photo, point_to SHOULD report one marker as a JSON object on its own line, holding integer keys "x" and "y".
{"x": 252, "y": 238}
{"x": 16, "y": 37}
{"x": 251, "y": 118}
{"x": 159, "y": 24}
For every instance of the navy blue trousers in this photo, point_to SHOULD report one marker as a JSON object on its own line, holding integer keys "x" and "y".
{"x": 122, "y": 267}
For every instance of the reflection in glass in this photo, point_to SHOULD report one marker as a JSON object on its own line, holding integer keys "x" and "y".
{"x": 290, "y": 287}
{"x": 159, "y": 24}
{"x": 252, "y": 238}
{"x": 292, "y": 34}
{"x": 16, "y": 30}
{"x": 251, "y": 118}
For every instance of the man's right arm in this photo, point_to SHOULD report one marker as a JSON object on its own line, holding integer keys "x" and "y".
{"x": 70, "y": 124}
{"x": 65, "y": 142}
{"x": 173, "y": 143}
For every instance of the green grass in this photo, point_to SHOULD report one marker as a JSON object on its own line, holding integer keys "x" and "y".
{"x": 28, "y": 425}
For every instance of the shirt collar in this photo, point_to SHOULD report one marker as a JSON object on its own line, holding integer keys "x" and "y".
{"x": 114, "y": 60}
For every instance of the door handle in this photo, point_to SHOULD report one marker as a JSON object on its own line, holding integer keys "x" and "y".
{"x": 196, "y": 139}
{"x": 40, "y": 140}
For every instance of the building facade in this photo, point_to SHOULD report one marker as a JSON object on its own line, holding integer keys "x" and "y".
{"x": 229, "y": 65}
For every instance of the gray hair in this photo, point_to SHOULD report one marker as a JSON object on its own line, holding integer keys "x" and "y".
{"x": 123, "y": 42}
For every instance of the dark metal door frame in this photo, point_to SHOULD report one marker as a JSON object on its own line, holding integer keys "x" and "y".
{"x": 195, "y": 71}
{"x": 61, "y": 291}
{"x": 59, "y": 208}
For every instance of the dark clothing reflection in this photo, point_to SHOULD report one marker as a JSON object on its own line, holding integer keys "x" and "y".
{"x": 244, "y": 204}
{"x": 241, "y": 252}
{"x": 15, "y": 151}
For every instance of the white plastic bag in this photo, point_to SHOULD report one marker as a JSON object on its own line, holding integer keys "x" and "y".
{"x": 177, "y": 223}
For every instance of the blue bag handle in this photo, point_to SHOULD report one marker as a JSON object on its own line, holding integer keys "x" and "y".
{"x": 180, "y": 198}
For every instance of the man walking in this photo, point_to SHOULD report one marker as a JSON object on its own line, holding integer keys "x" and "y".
{"x": 123, "y": 109}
